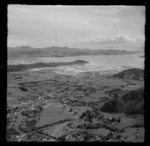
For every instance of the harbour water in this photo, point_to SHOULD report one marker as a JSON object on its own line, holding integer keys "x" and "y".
{"x": 95, "y": 63}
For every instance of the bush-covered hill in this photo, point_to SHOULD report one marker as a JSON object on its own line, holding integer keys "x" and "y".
{"x": 129, "y": 103}
{"x": 133, "y": 74}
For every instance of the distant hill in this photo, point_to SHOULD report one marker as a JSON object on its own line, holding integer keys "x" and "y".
{"x": 129, "y": 103}
{"x": 142, "y": 56}
{"x": 23, "y": 67}
{"x": 26, "y": 51}
{"x": 133, "y": 74}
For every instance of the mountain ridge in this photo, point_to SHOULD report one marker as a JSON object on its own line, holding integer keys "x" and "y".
{"x": 26, "y": 51}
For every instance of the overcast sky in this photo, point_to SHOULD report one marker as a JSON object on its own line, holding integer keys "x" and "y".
{"x": 37, "y": 26}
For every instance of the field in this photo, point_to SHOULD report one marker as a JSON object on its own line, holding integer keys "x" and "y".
{"x": 63, "y": 99}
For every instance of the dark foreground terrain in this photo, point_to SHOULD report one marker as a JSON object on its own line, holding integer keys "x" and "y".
{"x": 45, "y": 106}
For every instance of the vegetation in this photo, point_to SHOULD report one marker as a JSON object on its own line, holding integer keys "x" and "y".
{"x": 23, "y": 88}
{"x": 133, "y": 74}
{"x": 134, "y": 101}
{"x": 12, "y": 131}
{"x": 130, "y": 103}
{"x": 23, "y": 67}
{"x": 31, "y": 123}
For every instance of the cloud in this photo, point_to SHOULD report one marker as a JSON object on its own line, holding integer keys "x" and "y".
{"x": 115, "y": 38}
{"x": 13, "y": 41}
{"x": 38, "y": 25}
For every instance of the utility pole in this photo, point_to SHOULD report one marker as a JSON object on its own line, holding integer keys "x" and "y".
{"x": 56, "y": 39}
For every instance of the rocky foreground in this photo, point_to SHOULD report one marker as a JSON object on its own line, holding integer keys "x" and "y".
{"x": 45, "y": 106}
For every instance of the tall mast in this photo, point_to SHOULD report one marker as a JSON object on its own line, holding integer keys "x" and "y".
{"x": 56, "y": 39}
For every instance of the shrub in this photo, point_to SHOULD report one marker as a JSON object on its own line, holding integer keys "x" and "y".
{"x": 23, "y": 89}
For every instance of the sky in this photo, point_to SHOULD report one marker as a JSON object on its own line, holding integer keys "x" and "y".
{"x": 75, "y": 26}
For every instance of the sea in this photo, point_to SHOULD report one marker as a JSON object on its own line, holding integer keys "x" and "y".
{"x": 103, "y": 63}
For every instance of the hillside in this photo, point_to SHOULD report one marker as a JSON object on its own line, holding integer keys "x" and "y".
{"x": 26, "y": 51}
{"x": 133, "y": 74}
{"x": 129, "y": 103}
